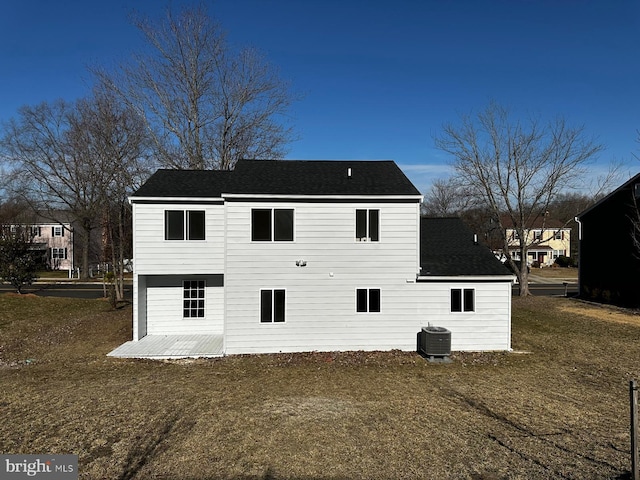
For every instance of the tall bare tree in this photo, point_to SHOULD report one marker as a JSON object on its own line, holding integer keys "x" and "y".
{"x": 72, "y": 158}
{"x": 52, "y": 169}
{"x": 516, "y": 168}
{"x": 206, "y": 105}
{"x": 447, "y": 197}
{"x": 114, "y": 135}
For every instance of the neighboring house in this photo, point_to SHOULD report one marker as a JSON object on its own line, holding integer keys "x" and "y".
{"x": 548, "y": 239}
{"x": 609, "y": 266}
{"x": 52, "y": 242}
{"x": 56, "y": 243}
{"x": 291, "y": 256}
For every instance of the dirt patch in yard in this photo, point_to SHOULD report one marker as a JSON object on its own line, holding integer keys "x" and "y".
{"x": 559, "y": 412}
{"x": 601, "y": 312}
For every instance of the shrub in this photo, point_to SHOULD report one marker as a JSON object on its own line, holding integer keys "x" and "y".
{"x": 563, "y": 261}
{"x": 17, "y": 262}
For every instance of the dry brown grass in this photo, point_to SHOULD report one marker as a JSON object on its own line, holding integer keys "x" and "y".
{"x": 560, "y": 411}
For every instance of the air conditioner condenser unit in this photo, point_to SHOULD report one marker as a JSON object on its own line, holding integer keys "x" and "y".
{"x": 435, "y": 341}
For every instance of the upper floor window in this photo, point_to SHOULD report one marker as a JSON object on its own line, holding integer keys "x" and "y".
{"x": 367, "y": 300}
{"x": 36, "y": 231}
{"x": 181, "y": 225}
{"x": 367, "y": 225}
{"x": 463, "y": 300}
{"x": 559, "y": 235}
{"x": 272, "y": 224}
{"x": 537, "y": 234}
{"x": 57, "y": 231}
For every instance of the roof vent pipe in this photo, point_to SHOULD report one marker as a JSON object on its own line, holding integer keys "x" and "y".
{"x": 475, "y": 238}
{"x": 349, "y": 172}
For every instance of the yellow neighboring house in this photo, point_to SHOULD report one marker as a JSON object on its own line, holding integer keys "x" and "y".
{"x": 547, "y": 240}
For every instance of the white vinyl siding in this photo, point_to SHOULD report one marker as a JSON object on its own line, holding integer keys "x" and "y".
{"x": 313, "y": 323}
{"x": 320, "y": 296}
{"x": 488, "y": 327}
{"x": 165, "y": 308}
{"x": 154, "y": 255}
{"x": 321, "y": 272}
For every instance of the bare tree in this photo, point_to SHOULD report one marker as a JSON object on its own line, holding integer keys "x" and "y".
{"x": 114, "y": 135}
{"x": 73, "y": 158}
{"x": 52, "y": 169}
{"x": 447, "y": 197}
{"x": 205, "y": 105}
{"x": 517, "y": 168}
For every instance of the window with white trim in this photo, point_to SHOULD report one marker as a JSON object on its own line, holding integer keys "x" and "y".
{"x": 463, "y": 300}
{"x": 272, "y": 305}
{"x": 57, "y": 231}
{"x": 193, "y": 298}
{"x": 184, "y": 224}
{"x": 367, "y": 225}
{"x": 559, "y": 235}
{"x": 58, "y": 253}
{"x": 368, "y": 300}
{"x": 272, "y": 225}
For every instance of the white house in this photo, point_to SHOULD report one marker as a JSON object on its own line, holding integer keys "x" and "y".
{"x": 291, "y": 256}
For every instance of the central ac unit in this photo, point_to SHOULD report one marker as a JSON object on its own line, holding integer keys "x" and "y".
{"x": 435, "y": 341}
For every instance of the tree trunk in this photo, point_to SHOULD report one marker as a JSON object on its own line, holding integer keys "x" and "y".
{"x": 86, "y": 245}
{"x": 120, "y": 275}
{"x": 116, "y": 261}
{"x": 524, "y": 268}
{"x": 523, "y": 285}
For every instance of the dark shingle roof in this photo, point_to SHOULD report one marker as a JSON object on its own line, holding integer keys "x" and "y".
{"x": 185, "y": 183}
{"x": 447, "y": 248}
{"x": 304, "y": 177}
{"x": 283, "y": 177}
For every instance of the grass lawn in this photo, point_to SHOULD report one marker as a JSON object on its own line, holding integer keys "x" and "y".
{"x": 558, "y": 411}
{"x": 552, "y": 272}
{"x": 57, "y": 274}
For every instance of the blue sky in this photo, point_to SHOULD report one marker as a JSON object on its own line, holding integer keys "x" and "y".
{"x": 379, "y": 78}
